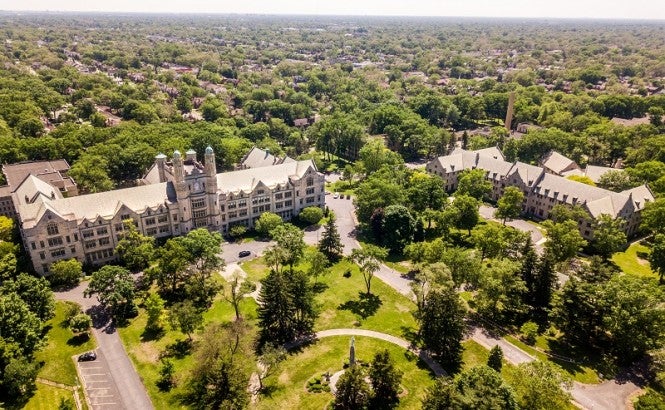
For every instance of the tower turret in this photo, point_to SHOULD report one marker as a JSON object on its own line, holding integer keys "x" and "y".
{"x": 160, "y": 162}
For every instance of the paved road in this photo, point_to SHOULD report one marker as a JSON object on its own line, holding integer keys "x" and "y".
{"x": 101, "y": 390}
{"x": 512, "y": 353}
{"x": 346, "y": 221}
{"x": 122, "y": 373}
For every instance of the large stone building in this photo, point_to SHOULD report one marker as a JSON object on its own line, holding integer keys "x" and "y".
{"x": 176, "y": 197}
{"x": 543, "y": 188}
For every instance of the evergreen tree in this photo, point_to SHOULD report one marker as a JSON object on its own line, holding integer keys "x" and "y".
{"x": 494, "y": 361}
{"x": 331, "y": 243}
{"x": 352, "y": 391}
{"x": 443, "y": 325}
{"x": 544, "y": 284}
{"x": 385, "y": 379}
{"x": 528, "y": 270}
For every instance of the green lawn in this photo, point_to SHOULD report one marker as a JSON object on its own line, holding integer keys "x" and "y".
{"x": 581, "y": 371}
{"x": 632, "y": 264}
{"x": 287, "y": 388}
{"x": 48, "y": 397}
{"x": 144, "y": 353}
{"x": 57, "y": 355}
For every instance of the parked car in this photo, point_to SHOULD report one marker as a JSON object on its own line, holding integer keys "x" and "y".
{"x": 336, "y": 195}
{"x": 243, "y": 254}
{"x": 87, "y": 357}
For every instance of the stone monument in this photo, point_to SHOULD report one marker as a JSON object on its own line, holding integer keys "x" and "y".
{"x": 352, "y": 352}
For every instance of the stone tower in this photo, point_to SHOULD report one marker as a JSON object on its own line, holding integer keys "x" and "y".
{"x": 511, "y": 110}
{"x": 210, "y": 171}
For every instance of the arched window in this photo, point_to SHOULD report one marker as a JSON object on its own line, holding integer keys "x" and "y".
{"x": 52, "y": 229}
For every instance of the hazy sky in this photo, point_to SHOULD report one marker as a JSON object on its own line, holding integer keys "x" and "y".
{"x": 646, "y": 9}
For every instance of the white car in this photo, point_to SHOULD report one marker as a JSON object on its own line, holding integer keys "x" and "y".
{"x": 336, "y": 195}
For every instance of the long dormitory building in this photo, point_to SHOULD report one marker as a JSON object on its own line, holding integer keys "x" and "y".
{"x": 176, "y": 197}
{"x": 543, "y": 188}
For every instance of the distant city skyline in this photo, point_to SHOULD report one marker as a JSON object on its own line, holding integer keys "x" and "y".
{"x": 605, "y": 9}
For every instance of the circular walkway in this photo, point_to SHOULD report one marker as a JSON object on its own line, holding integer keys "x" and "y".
{"x": 422, "y": 354}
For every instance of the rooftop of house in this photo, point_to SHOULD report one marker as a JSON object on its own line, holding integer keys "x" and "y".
{"x": 53, "y": 172}
{"x": 557, "y": 162}
{"x": 257, "y": 158}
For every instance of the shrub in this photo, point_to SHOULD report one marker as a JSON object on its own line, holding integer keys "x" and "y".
{"x": 529, "y": 332}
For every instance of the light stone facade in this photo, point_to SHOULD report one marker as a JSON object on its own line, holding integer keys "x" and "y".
{"x": 176, "y": 197}
{"x": 543, "y": 190}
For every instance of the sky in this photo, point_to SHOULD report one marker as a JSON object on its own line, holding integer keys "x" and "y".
{"x": 613, "y": 9}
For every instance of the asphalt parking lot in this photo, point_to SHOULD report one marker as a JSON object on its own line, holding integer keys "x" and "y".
{"x": 100, "y": 389}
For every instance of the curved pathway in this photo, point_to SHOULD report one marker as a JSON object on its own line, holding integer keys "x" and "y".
{"x": 422, "y": 354}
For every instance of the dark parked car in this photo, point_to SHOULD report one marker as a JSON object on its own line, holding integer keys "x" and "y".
{"x": 242, "y": 254}
{"x": 88, "y": 357}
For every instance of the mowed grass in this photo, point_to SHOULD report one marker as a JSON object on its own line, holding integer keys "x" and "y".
{"x": 393, "y": 312}
{"x": 580, "y": 371}
{"x": 56, "y": 356}
{"x": 630, "y": 263}
{"x": 287, "y": 388}
{"x": 48, "y": 397}
{"x": 145, "y": 352}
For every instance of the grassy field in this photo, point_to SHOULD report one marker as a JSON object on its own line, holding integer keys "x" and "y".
{"x": 144, "y": 351}
{"x": 580, "y": 371}
{"x": 48, "y": 397}
{"x": 57, "y": 355}
{"x": 341, "y": 305}
{"x": 630, "y": 263}
{"x": 287, "y": 388}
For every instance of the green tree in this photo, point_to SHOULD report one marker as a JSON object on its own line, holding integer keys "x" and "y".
{"x": 65, "y": 273}
{"x": 267, "y": 222}
{"x": 509, "y": 205}
{"x": 466, "y": 212}
{"x": 657, "y": 256}
{"x": 368, "y": 260}
{"x": 114, "y": 288}
{"x": 80, "y": 324}
{"x": 91, "y": 174}
{"x": 154, "y": 307}
{"x": 501, "y": 291}
{"x": 19, "y": 377}
{"x": 186, "y": 317}
{"x": 489, "y": 239}
{"x": 398, "y": 228}
{"x": 385, "y": 380}
{"x": 223, "y": 364}
{"x": 442, "y": 325}
{"x": 331, "y": 243}
{"x": 563, "y": 240}
{"x": 318, "y": 264}
{"x": 541, "y": 386}
{"x": 608, "y": 236}
{"x": 135, "y": 249}
{"x": 426, "y": 192}
{"x": 237, "y": 231}
{"x": 472, "y": 182}
{"x": 374, "y": 193}
{"x": 495, "y": 359}
{"x": 312, "y": 215}
{"x": 352, "y": 393}
{"x": 291, "y": 239}
{"x": 615, "y": 180}
{"x": 653, "y": 216}
{"x": 236, "y": 290}
{"x": 35, "y": 292}
{"x": 6, "y": 229}
{"x": 18, "y": 325}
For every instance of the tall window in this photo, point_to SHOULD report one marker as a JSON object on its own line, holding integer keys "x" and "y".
{"x": 310, "y": 181}
{"x": 52, "y": 229}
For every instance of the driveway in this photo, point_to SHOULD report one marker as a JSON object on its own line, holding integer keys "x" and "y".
{"x": 230, "y": 250}
{"x": 345, "y": 219}
{"x": 123, "y": 377}
{"x": 100, "y": 388}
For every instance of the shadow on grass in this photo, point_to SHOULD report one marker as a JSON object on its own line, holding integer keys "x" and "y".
{"x": 78, "y": 340}
{"x": 150, "y": 334}
{"x": 319, "y": 287}
{"x": 364, "y": 307}
{"x": 410, "y": 335}
{"x": 178, "y": 349}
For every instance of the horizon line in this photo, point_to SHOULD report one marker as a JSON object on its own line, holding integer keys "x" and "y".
{"x": 220, "y": 13}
